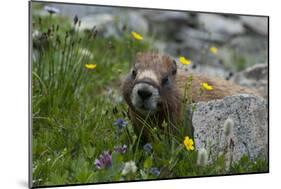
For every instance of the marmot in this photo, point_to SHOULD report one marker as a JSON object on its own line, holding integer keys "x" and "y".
{"x": 154, "y": 90}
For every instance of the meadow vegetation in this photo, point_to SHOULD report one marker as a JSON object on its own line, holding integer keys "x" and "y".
{"x": 80, "y": 129}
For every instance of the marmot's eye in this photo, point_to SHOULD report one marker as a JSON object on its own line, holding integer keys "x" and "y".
{"x": 165, "y": 80}
{"x": 134, "y": 73}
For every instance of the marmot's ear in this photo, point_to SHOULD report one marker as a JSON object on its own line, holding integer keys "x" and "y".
{"x": 137, "y": 57}
{"x": 174, "y": 67}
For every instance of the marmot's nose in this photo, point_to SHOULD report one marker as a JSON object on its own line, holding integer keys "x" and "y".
{"x": 144, "y": 94}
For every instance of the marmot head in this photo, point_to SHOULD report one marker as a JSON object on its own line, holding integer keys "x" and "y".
{"x": 150, "y": 82}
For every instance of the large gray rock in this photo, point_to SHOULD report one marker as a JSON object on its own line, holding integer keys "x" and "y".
{"x": 166, "y": 24}
{"x": 210, "y": 70}
{"x": 134, "y": 20}
{"x": 257, "y": 24}
{"x": 82, "y": 10}
{"x": 167, "y": 16}
{"x": 186, "y": 34}
{"x": 215, "y": 23}
{"x": 250, "y": 131}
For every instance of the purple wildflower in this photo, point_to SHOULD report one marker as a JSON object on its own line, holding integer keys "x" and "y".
{"x": 51, "y": 10}
{"x": 155, "y": 171}
{"x": 147, "y": 147}
{"x": 121, "y": 149}
{"x": 120, "y": 123}
{"x": 104, "y": 161}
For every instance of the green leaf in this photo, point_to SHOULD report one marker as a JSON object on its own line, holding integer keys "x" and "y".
{"x": 147, "y": 163}
{"x": 117, "y": 160}
{"x": 89, "y": 151}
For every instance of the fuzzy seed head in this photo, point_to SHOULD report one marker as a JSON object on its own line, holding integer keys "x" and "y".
{"x": 228, "y": 127}
{"x": 202, "y": 157}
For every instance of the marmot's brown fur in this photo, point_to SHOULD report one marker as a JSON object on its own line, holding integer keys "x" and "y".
{"x": 154, "y": 91}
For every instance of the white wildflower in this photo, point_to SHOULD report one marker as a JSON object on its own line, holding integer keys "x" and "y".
{"x": 130, "y": 167}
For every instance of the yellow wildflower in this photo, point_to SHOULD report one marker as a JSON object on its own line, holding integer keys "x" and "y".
{"x": 136, "y": 36}
{"x": 184, "y": 61}
{"x": 213, "y": 50}
{"x": 188, "y": 143}
{"x": 90, "y": 66}
{"x": 207, "y": 87}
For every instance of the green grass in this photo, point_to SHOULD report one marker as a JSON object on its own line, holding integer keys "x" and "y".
{"x": 73, "y": 112}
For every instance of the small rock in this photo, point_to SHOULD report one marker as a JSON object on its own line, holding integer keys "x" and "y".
{"x": 254, "y": 77}
{"x": 186, "y": 34}
{"x": 257, "y": 72}
{"x": 250, "y": 131}
{"x": 134, "y": 21}
{"x": 257, "y": 24}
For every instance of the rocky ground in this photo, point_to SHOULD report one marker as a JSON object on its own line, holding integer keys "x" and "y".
{"x": 242, "y": 41}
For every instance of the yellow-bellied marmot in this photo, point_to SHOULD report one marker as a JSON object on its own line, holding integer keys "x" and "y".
{"x": 154, "y": 91}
